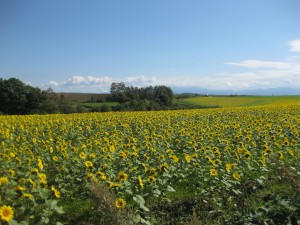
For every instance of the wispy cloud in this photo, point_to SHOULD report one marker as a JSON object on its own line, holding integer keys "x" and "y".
{"x": 294, "y": 45}
{"x": 260, "y": 64}
{"x": 141, "y": 81}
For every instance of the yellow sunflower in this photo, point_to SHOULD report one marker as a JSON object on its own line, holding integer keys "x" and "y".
{"x": 122, "y": 176}
{"x": 213, "y": 172}
{"x": 120, "y": 203}
{"x": 114, "y": 184}
{"x": 236, "y": 176}
{"x": 3, "y": 180}
{"x": 55, "y": 192}
{"x": 163, "y": 167}
{"x": 6, "y": 213}
{"x": 82, "y": 155}
{"x": 140, "y": 182}
{"x": 151, "y": 179}
{"x": 88, "y": 164}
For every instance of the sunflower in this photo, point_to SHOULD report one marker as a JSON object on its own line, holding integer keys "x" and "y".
{"x": 140, "y": 182}
{"x": 151, "y": 179}
{"x": 34, "y": 171}
{"x": 26, "y": 195}
{"x": 6, "y": 213}
{"x": 216, "y": 162}
{"x": 112, "y": 148}
{"x": 114, "y": 184}
{"x": 40, "y": 164}
{"x": 55, "y": 192}
{"x": 3, "y": 180}
{"x": 213, "y": 172}
{"x": 12, "y": 172}
{"x": 247, "y": 155}
{"x": 175, "y": 158}
{"x": 188, "y": 158}
{"x": 43, "y": 176}
{"x": 101, "y": 175}
{"x": 122, "y": 176}
{"x": 120, "y": 203}
{"x": 229, "y": 167}
{"x": 55, "y": 158}
{"x": 280, "y": 155}
{"x": 88, "y": 164}
{"x": 19, "y": 188}
{"x": 236, "y": 176}
{"x": 163, "y": 167}
{"x": 82, "y": 155}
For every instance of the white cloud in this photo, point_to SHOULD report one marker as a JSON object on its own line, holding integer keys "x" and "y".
{"x": 141, "y": 81}
{"x": 75, "y": 80}
{"x": 81, "y": 83}
{"x": 261, "y": 64}
{"x": 294, "y": 45}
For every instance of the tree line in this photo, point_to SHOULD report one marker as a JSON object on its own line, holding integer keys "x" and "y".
{"x": 144, "y": 98}
{"x": 19, "y": 98}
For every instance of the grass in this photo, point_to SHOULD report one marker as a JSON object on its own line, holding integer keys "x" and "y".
{"x": 97, "y": 104}
{"x": 240, "y": 101}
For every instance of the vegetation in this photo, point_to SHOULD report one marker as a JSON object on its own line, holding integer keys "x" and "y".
{"x": 211, "y": 166}
{"x": 238, "y": 101}
{"x": 19, "y": 98}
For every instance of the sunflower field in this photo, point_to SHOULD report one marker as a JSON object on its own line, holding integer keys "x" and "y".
{"x": 207, "y": 166}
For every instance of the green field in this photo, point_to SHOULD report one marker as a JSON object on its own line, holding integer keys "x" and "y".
{"x": 97, "y": 104}
{"x": 240, "y": 101}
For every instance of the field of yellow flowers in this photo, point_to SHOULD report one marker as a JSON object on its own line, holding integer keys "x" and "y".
{"x": 215, "y": 166}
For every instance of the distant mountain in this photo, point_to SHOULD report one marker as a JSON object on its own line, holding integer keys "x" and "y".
{"x": 271, "y": 91}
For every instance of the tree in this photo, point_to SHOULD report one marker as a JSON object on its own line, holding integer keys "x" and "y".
{"x": 19, "y": 98}
{"x": 117, "y": 91}
{"x": 50, "y": 102}
{"x": 163, "y": 95}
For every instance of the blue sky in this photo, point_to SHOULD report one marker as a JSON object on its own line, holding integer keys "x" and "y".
{"x": 84, "y": 46}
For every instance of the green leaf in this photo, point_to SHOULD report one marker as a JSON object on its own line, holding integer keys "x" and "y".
{"x": 37, "y": 219}
{"x": 236, "y": 192}
{"x": 137, "y": 218}
{"x": 52, "y": 203}
{"x": 156, "y": 192}
{"x": 170, "y": 189}
{"x": 139, "y": 199}
{"x": 144, "y": 208}
{"x": 13, "y": 222}
{"x": 145, "y": 221}
{"x": 40, "y": 201}
{"x": 59, "y": 210}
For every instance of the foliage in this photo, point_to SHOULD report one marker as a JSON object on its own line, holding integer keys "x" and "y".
{"x": 136, "y": 98}
{"x": 212, "y": 166}
{"x": 19, "y": 98}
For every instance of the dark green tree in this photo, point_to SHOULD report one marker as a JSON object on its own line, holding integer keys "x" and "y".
{"x": 50, "y": 102}
{"x": 118, "y": 92}
{"x": 163, "y": 95}
{"x": 17, "y": 97}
